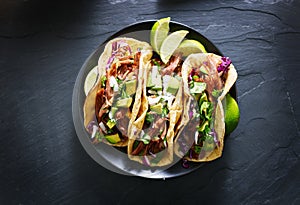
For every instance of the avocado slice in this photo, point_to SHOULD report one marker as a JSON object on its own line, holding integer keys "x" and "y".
{"x": 111, "y": 123}
{"x": 173, "y": 86}
{"x": 157, "y": 108}
{"x": 130, "y": 87}
{"x": 113, "y": 138}
{"x": 199, "y": 87}
{"x": 154, "y": 79}
{"x": 149, "y": 81}
{"x": 126, "y": 102}
{"x": 208, "y": 146}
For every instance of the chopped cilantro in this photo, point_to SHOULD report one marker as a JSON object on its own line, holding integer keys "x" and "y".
{"x": 216, "y": 93}
{"x": 119, "y": 81}
{"x": 197, "y": 149}
{"x": 149, "y": 117}
{"x": 165, "y": 111}
{"x": 135, "y": 144}
{"x": 103, "y": 80}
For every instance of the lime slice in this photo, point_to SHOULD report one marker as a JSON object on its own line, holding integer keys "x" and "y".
{"x": 188, "y": 47}
{"x": 170, "y": 44}
{"x": 90, "y": 80}
{"x": 159, "y": 32}
{"x": 232, "y": 114}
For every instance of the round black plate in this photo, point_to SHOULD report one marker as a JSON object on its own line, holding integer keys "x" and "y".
{"x": 108, "y": 156}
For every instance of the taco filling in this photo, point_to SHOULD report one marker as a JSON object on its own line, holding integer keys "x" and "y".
{"x": 205, "y": 84}
{"x": 160, "y": 90}
{"x": 115, "y": 96}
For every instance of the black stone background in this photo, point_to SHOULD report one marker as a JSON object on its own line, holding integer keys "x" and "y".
{"x": 42, "y": 47}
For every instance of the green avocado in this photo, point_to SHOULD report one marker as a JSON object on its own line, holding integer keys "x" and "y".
{"x": 154, "y": 79}
{"x": 208, "y": 146}
{"x": 113, "y": 138}
{"x": 111, "y": 124}
{"x": 157, "y": 108}
{"x": 173, "y": 85}
{"x": 199, "y": 87}
{"x": 126, "y": 102}
{"x": 149, "y": 82}
{"x": 130, "y": 87}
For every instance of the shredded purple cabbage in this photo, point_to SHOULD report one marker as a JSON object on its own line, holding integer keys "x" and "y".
{"x": 152, "y": 154}
{"x": 190, "y": 114}
{"x": 191, "y": 154}
{"x": 129, "y": 49}
{"x": 110, "y": 60}
{"x": 115, "y": 47}
{"x": 145, "y": 161}
{"x": 185, "y": 164}
{"x": 183, "y": 146}
{"x": 214, "y": 134}
{"x": 224, "y": 65}
{"x": 89, "y": 127}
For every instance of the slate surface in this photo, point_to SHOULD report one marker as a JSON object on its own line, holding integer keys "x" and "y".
{"x": 42, "y": 47}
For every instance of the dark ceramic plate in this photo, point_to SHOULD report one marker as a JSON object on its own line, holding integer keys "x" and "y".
{"x": 110, "y": 157}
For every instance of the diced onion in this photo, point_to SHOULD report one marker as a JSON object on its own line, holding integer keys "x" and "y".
{"x": 110, "y": 115}
{"x": 153, "y": 101}
{"x": 196, "y": 137}
{"x": 95, "y": 129}
{"x": 113, "y": 83}
{"x": 154, "y": 72}
{"x": 169, "y": 99}
{"x": 166, "y": 79}
{"x": 165, "y": 143}
{"x": 102, "y": 126}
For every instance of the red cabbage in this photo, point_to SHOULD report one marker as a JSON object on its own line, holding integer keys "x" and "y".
{"x": 224, "y": 64}
{"x": 90, "y": 126}
{"x": 185, "y": 164}
{"x": 214, "y": 135}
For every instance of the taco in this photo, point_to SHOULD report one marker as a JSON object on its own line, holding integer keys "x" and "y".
{"x": 207, "y": 79}
{"x": 152, "y": 132}
{"x": 116, "y": 97}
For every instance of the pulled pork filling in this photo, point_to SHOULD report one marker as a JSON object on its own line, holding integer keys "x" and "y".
{"x": 121, "y": 67}
{"x": 212, "y": 80}
{"x": 152, "y": 139}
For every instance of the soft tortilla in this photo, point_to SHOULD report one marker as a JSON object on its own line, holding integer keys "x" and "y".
{"x": 89, "y": 105}
{"x": 175, "y": 112}
{"x": 196, "y": 60}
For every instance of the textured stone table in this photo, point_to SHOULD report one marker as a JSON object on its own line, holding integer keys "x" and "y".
{"x": 42, "y": 47}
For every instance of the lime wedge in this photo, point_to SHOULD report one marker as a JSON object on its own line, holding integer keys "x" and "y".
{"x": 159, "y": 32}
{"x": 188, "y": 47}
{"x": 90, "y": 80}
{"x": 170, "y": 44}
{"x": 232, "y": 114}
